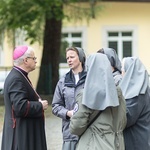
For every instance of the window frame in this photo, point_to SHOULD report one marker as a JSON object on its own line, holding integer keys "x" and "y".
{"x": 82, "y": 30}
{"x": 120, "y": 38}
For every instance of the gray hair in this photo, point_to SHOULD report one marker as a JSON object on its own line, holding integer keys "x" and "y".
{"x": 19, "y": 60}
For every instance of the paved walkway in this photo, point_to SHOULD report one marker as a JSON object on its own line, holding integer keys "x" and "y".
{"x": 53, "y": 133}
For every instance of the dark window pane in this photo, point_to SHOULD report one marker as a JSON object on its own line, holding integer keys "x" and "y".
{"x": 76, "y": 44}
{"x": 126, "y": 33}
{"x": 112, "y": 34}
{"x": 63, "y": 47}
{"x": 113, "y": 45}
{"x": 76, "y": 35}
{"x": 64, "y": 35}
{"x": 127, "y": 48}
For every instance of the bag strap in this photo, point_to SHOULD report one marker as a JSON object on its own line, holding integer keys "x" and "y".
{"x": 96, "y": 116}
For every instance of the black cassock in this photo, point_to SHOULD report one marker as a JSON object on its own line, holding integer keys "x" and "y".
{"x": 24, "y": 127}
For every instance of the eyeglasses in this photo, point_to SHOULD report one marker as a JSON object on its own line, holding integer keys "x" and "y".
{"x": 34, "y": 58}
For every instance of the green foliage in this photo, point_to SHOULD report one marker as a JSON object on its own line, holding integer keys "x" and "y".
{"x": 23, "y": 14}
{"x": 30, "y": 15}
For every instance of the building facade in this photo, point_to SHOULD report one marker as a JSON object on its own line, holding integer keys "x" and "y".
{"x": 122, "y": 25}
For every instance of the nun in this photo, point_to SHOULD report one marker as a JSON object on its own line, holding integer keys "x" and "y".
{"x": 66, "y": 90}
{"x": 115, "y": 63}
{"x": 99, "y": 116}
{"x": 135, "y": 89}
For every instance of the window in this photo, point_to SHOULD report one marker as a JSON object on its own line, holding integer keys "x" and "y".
{"x": 72, "y": 37}
{"x": 122, "y": 39}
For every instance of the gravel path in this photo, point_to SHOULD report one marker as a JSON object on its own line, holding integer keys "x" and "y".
{"x": 53, "y": 133}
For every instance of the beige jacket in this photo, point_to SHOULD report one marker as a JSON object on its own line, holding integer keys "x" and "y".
{"x": 106, "y": 132}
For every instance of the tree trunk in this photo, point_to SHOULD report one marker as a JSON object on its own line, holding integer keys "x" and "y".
{"x": 49, "y": 71}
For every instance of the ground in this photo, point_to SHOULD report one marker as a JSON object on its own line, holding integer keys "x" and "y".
{"x": 52, "y": 127}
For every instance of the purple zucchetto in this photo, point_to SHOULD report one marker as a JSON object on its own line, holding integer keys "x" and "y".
{"x": 19, "y": 51}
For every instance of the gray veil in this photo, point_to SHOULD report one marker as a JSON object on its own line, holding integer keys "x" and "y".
{"x": 99, "y": 90}
{"x": 113, "y": 58}
{"x": 135, "y": 80}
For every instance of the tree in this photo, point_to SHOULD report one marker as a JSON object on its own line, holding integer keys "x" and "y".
{"x": 42, "y": 20}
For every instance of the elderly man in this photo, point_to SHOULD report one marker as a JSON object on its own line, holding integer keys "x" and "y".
{"x": 24, "y": 110}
